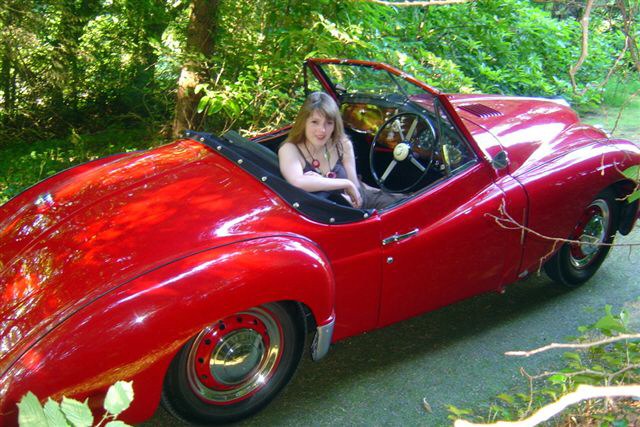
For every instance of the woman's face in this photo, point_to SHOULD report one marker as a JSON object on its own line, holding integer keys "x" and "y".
{"x": 318, "y": 128}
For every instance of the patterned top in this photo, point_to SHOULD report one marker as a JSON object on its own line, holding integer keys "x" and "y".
{"x": 338, "y": 171}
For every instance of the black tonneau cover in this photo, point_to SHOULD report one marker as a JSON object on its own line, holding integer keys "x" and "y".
{"x": 262, "y": 163}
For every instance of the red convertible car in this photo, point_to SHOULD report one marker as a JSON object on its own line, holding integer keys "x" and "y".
{"x": 196, "y": 271}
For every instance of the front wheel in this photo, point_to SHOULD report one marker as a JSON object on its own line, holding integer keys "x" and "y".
{"x": 235, "y": 366}
{"x": 578, "y": 261}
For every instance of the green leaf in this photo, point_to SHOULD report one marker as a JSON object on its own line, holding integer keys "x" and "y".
{"x": 232, "y": 108}
{"x": 78, "y": 413}
{"x": 587, "y": 379}
{"x": 54, "y": 414}
{"x": 119, "y": 397}
{"x": 311, "y": 54}
{"x": 609, "y": 323}
{"x": 458, "y": 412}
{"x": 624, "y": 317}
{"x": 31, "y": 413}
{"x": 202, "y": 104}
{"x": 620, "y": 423}
{"x": 200, "y": 87}
{"x": 116, "y": 423}
{"x": 632, "y": 173}
{"x": 506, "y": 397}
{"x": 572, "y": 356}
{"x": 558, "y": 379}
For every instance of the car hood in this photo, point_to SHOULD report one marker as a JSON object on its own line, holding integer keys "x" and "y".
{"x": 530, "y": 130}
{"x": 79, "y": 234}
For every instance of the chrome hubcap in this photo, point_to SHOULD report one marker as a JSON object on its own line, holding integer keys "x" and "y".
{"x": 234, "y": 358}
{"x": 591, "y": 232}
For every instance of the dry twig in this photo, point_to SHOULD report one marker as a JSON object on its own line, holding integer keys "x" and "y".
{"x": 507, "y": 222}
{"x": 574, "y": 345}
{"x": 583, "y": 392}
{"x": 407, "y": 3}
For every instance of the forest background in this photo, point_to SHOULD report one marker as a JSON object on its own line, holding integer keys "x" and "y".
{"x": 82, "y": 79}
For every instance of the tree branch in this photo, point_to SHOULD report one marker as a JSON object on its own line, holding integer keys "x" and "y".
{"x": 583, "y": 392}
{"x": 584, "y": 23}
{"x": 509, "y": 223}
{"x": 427, "y": 3}
{"x": 576, "y": 345}
{"x": 628, "y": 17}
{"x": 622, "y": 108}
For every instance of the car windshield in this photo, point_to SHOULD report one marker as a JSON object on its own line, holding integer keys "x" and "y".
{"x": 352, "y": 79}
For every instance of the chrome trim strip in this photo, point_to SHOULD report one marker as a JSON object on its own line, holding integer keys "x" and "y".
{"x": 322, "y": 340}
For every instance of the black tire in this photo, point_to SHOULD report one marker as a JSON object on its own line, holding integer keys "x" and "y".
{"x": 235, "y": 366}
{"x": 576, "y": 263}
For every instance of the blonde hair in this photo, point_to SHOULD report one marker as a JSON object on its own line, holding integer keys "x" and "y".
{"x": 325, "y": 104}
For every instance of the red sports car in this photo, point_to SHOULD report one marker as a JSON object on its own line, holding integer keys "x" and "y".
{"x": 196, "y": 271}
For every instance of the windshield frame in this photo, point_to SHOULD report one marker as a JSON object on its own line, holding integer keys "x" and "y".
{"x": 438, "y": 98}
{"x": 318, "y": 67}
{"x": 315, "y": 65}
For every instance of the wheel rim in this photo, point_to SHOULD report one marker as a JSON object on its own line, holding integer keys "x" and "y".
{"x": 591, "y": 232}
{"x": 235, "y": 357}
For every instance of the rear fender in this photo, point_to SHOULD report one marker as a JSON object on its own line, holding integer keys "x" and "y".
{"x": 31, "y": 194}
{"x": 133, "y": 332}
{"x": 571, "y": 181}
{"x": 629, "y": 212}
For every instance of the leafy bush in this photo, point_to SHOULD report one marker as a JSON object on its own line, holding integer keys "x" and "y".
{"x": 83, "y": 63}
{"x": 607, "y": 364}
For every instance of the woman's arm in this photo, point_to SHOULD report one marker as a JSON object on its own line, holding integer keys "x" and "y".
{"x": 349, "y": 162}
{"x": 292, "y": 170}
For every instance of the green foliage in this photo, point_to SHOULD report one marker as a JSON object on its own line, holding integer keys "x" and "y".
{"x": 607, "y": 364}
{"x": 633, "y": 173}
{"x": 74, "y": 64}
{"x": 24, "y": 163}
{"x": 619, "y": 90}
{"x": 71, "y": 412}
{"x": 512, "y": 47}
{"x": 67, "y": 64}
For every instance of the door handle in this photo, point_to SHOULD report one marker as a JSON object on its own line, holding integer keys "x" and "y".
{"x": 398, "y": 237}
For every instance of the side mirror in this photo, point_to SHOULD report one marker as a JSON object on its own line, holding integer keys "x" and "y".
{"x": 500, "y": 160}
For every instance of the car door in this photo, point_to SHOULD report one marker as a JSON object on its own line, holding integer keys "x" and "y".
{"x": 445, "y": 245}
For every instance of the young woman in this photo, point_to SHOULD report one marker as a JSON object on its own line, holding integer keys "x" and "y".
{"x": 318, "y": 157}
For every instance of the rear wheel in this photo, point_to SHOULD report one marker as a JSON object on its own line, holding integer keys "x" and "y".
{"x": 235, "y": 366}
{"x": 575, "y": 263}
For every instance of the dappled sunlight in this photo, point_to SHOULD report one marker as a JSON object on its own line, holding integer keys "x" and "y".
{"x": 128, "y": 170}
{"x": 72, "y": 250}
{"x": 22, "y": 292}
{"x": 69, "y": 248}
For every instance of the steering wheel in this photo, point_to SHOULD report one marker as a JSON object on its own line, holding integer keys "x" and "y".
{"x": 411, "y": 139}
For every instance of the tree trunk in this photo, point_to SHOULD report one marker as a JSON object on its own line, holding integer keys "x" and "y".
{"x": 202, "y": 26}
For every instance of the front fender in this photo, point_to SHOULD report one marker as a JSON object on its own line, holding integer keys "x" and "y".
{"x": 133, "y": 332}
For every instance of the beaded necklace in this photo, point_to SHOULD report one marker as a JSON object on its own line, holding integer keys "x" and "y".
{"x": 315, "y": 163}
